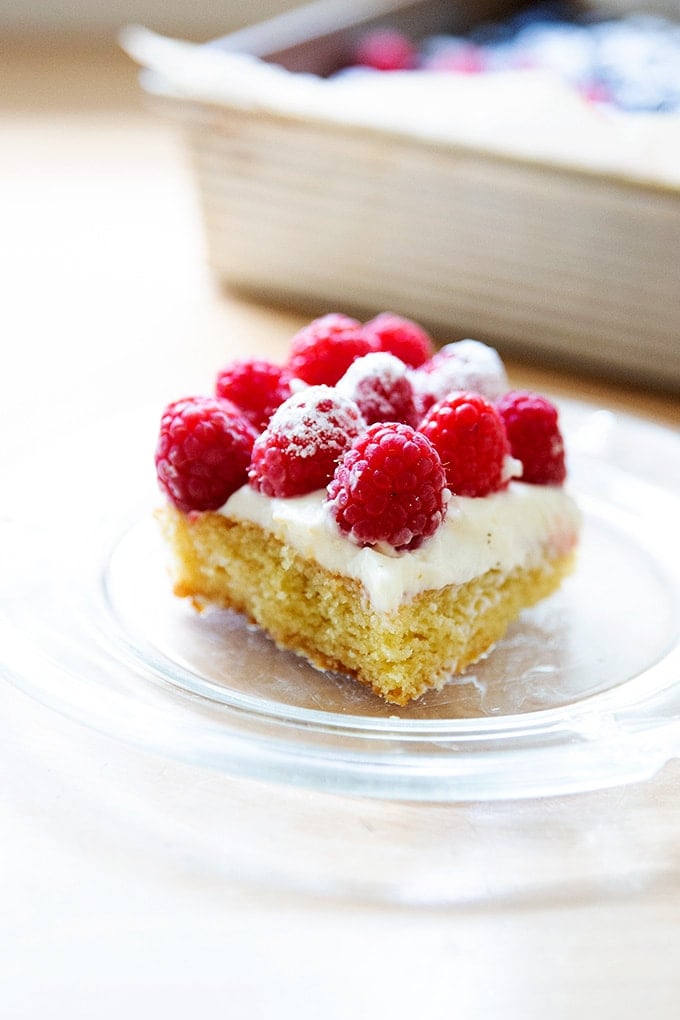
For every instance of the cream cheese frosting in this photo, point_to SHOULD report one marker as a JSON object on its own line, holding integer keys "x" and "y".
{"x": 507, "y": 529}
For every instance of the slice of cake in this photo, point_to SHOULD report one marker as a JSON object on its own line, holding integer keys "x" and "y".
{"x": 380, "y": 509}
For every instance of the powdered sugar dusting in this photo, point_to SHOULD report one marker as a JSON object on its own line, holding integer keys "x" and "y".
{"x": 463, "y": 365}
{"x": 306, "y": 436}
{"x": 311, "y": 417}
{"x": 379, "y": 383}
{"x": 378, "y": 365}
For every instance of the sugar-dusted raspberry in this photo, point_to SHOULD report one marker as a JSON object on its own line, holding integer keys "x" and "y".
{"x": 389, "y": 487}
{"x": 303, "y": 441}
{"x": 385, "y": 49}
{"x": 256, "y": 386}
{"x": 469, "y": 434}
{"x": 533, "y": 430}
{"x": 323, "y": 351}
{"x": 203, "y": 452}
{"x": 463, "y": 365}
{"x": 405, "y": 339}
{"x": 379, "y": 384}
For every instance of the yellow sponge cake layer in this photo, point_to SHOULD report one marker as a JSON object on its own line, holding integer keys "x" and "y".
{"x": 328, "y": 617}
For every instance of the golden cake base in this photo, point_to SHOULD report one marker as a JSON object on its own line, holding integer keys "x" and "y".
{"x": 327, "y": 618}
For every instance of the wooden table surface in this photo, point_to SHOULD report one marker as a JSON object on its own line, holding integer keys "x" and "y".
{"x": 108, "y": 305}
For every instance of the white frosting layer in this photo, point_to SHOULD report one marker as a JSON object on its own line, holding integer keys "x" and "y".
{"x": 508, "y": 529}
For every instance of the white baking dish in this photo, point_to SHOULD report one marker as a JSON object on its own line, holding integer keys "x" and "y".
{"x": 544, "y": 227}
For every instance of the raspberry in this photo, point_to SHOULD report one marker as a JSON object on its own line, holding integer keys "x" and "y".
{"x": 385, "y": 49}
{"x": 203, "y": 452}
{"x": 532, "y": 427}
{"x": 378, "y": 383}
{"x": 300, "y": 447}
{"x": 464, "y": 58}
{"x": 469, "y": 434}
{"x": 389, "y": 487}
{"x": 323, "y": 351}
{"x": 256, "y": 386}
{"x": 463, "y": 365}
{"x": 405, "y": 339}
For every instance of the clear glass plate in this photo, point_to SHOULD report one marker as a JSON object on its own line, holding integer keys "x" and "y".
{"x": 583, "y": 693}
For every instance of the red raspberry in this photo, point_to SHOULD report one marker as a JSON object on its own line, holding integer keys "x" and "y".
{"x": 379, "y": 384}
{"x": 532, "y": 426}
{"x": 385, "y": 49}
{"x": 389, "y": 487}
{"x": 323, "y": 351}
{"x": 405, "y": 339}
{"x": 256, "y": 386}
{"x": 462, "y": 365}
{"x": 300, "y": 447}
{"x": 203, "y": 452}
{"x": 469, "y": 434}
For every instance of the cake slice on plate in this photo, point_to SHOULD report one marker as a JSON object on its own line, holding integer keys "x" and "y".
{"x": 383, "y": 510}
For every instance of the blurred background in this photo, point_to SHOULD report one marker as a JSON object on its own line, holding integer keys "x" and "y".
{"x": 94, "y": 19}
{"x": 60, "y": 20}
{"x": 106, "y": 257}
